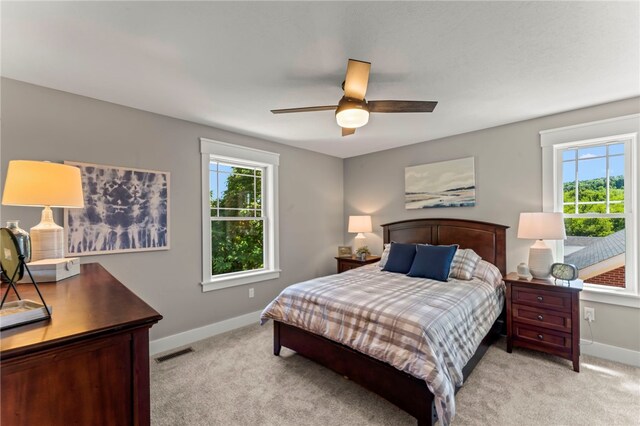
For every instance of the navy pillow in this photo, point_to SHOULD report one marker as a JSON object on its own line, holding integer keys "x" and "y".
{"x": 433, "y": 262}
{"x": 400, "y": 258}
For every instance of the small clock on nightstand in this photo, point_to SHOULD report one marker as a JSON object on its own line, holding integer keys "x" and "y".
{"x": 564, "y": 272}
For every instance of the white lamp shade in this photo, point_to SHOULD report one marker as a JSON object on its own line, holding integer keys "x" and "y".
{"x": 541, "y": 226}
{"x": 360, "y": 224}
{"x": 39, "y": 183}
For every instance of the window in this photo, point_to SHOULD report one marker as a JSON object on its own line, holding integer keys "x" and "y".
{"x": 590, "y": 174}
{"x": 239, "y": 224}
{"x": 592, "y": 195}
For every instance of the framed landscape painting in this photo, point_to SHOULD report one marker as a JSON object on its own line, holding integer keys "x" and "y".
{"x": 125, "y": 210}
{"x": 444, "y": 184}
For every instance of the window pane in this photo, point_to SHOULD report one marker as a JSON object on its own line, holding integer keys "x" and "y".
{"x": 616, "y": 149}
{"x": 569, "y": 208}
{"x": 213, "y": 189}
{"x": 592, "y": 227}
{"x": 592, "y": 208}
{"x": 569, "y": 154}
{"x": 592, "y": 151}
{"x": 225, "y": 168}
{"x": 240, "y": 213}
{"x": 259, "y": 193}
{"x": 238, "y": 190}
{"x": 597, "y": 248}
{"x": 236, "y": 246}
{"x": 616, "y": 178}
{"x": 616, "y": 208}
{"x": 568, "y": 181}
{"x": 591, "y": 180}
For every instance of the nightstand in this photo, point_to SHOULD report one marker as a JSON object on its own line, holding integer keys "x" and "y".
{"x": 544, "y": 316}
{"x": 346, "y": 263}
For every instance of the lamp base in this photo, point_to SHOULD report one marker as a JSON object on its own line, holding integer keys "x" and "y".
{"x": 47, "y": 238}
{"x": 540, "y": 260}
{"x": 360, "y": 241}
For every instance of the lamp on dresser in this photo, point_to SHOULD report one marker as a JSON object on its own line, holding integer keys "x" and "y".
{"x": 359, "y": 224}
{"x": 541, "y": 226}
{"x": 44, "y": 184}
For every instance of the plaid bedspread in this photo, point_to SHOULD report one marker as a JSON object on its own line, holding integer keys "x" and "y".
{"x": 426, "y": 328}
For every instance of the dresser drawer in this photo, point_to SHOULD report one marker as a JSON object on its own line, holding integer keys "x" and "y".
{"x": 542, "y": 338}
{"x": 556, "y": 320}
{"x": 541, "y": 298}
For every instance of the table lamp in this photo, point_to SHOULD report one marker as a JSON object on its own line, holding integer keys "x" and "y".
{"x": 541, "y": 226}
{"x": 44, "y": 184}
{"x": 359, "y": 224}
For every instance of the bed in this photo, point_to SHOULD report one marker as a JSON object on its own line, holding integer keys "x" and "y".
{"x": 396, "y": 383}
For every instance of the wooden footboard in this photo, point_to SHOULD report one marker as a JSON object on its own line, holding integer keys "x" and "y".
{"x": 404, "y": 390}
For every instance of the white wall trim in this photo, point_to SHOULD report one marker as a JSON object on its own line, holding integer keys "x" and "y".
{"x": 223, "y": 149}
{"x": 240, "y": 279}
{"x": 584, "y": 131}
{"x": 611, "y": 353}
{"x": 193, "y": 335}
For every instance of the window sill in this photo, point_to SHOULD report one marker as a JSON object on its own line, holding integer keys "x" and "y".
{"x": 610, "y": 297}
{"x": 239, "y": 279}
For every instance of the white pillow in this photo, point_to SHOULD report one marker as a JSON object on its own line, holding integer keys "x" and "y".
{"x": 384, "y": 256}
{"x": 463, "y": 264}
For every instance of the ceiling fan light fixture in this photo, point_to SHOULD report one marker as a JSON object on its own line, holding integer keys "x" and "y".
{"x": 352, "y": 113}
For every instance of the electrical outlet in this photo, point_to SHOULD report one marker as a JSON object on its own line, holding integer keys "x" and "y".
{"x": 251, "y": 293}
{"x": 589, "y": 314}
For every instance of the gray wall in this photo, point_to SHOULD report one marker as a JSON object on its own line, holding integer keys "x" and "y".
{"x": 508, "y": 180}
{"x": 45, "y": 124}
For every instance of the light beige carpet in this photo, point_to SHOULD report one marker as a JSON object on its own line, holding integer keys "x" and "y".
{"x": 233, "y": 379}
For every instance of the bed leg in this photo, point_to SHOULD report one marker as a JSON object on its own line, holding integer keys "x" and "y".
{"x": 428, "y": 417}
{"x": 276, "y": 338}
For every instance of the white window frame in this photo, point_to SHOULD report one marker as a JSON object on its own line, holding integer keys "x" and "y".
{"x": 269, "y": 162}
{"x": 554, "y": 141}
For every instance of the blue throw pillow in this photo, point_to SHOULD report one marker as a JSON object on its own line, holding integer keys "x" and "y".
{"x": 400, "y": 258}
{"x": 433, "y": 262}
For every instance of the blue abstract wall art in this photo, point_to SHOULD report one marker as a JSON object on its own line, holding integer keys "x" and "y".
{"x": 126, "y": 210}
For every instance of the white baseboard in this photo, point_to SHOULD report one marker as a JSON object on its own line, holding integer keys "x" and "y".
{"x": 612, "y": 353}
{"x": 190, "y": 336}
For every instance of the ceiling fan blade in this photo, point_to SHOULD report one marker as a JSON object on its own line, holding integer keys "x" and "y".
{"x": 305, "y": 109}
{"x": 347, "y": 131}
{"x": 357, "y": 79}
{"x": 402, "y": 106}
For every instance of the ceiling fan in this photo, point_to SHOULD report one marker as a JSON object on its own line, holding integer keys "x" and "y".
{"x": 353, "y": 109}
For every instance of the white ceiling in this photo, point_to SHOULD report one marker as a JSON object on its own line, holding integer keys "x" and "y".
{"x": 227, "y": 64}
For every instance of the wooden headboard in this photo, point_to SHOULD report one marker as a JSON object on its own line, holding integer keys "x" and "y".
{"x": 486, "y": 239}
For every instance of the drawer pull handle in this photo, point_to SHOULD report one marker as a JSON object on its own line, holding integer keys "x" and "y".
{"x": 540, "y": 298}
{"x": 540, "y": 317}
{"x": 540, "y": 336}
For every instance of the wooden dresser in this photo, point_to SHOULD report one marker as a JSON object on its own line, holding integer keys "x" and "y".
{"x": 544, "y": 317}
{"x": 88, "y": 365}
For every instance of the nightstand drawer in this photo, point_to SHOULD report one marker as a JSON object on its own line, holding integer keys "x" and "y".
{"x": 345, "y": 266}
{"x": 541, "y": 337}
{"x": 348, "y": 263}
{"x": 541, "y": 298}
{"x": 555, "y": 320}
